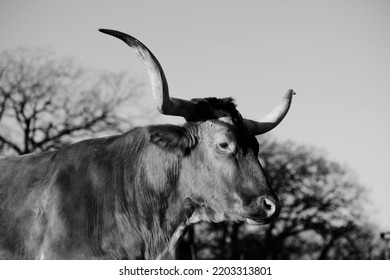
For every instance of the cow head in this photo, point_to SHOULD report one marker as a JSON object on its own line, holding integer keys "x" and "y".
{"x": 221, "y": 177}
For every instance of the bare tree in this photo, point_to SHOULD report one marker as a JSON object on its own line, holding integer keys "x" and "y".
{"x": 322, "y": 202}
{"x": 47, "y": 102}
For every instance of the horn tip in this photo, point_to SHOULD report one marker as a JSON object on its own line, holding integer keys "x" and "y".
{"x": 104, "y": 30}
{"x": 110, "y": 32}
{"x": 291, "y": 92}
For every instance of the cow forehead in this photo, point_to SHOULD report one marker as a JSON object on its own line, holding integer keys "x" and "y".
{"x": 227, "y": 120}
{"x": 220, "y": 126}
{"x": 226, "y": 127}
{"x": 227, "y": 124}
{"x": 221, "y": 123}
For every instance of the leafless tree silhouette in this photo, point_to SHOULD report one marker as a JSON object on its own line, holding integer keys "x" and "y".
{"x": 47, "y": 102}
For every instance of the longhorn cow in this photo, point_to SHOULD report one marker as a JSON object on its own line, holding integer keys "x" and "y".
{"x": 132, "y": 196}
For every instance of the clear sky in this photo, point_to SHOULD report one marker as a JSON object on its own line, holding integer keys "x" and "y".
{"x": 334, "y": 54}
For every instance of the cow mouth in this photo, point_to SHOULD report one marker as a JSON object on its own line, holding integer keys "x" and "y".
{"x": 258, "y": 221}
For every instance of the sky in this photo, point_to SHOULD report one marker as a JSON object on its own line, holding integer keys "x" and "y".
{"x": 334, "y": 54}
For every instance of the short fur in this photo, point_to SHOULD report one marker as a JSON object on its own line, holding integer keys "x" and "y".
{"x": 120, "y": 197}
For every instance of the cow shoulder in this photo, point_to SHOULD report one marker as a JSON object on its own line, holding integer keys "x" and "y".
{"x": 173, "y": 138}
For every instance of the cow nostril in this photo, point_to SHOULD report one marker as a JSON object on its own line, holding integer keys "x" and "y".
{"x": 269, "y": 206}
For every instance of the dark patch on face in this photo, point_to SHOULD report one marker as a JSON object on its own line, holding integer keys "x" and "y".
{"x": 215, "y": 108}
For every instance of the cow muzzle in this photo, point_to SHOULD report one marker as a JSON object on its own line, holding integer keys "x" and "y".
{"x": 264, "y": 209}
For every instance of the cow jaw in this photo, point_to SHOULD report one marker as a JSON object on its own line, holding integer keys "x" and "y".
{"x": 206, "y": 214}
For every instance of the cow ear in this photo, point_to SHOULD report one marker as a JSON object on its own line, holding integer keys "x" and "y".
{"x": 173, "y": 138}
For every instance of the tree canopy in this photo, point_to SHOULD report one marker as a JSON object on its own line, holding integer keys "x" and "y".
{"x": 46, "y": 102}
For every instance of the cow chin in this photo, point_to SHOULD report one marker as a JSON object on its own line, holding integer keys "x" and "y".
{"x": 220, "y": 217}
{"x": 208, "y": 214}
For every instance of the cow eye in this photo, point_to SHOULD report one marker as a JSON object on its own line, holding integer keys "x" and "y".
{"x": 224, "y": 147}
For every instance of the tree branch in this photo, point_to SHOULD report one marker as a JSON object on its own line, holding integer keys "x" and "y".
{"x": 12, "y": 145}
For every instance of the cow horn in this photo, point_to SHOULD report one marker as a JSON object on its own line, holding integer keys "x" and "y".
{"x": 271, "y": 120}
{"x": 165, "y": 104}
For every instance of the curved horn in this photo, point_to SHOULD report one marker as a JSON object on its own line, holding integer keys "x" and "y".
{"x": 165, "y": 104}
{"x": 271, "y": 120}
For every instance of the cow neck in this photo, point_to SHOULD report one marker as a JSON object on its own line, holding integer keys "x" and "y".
{"x": 152, "y": 192}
